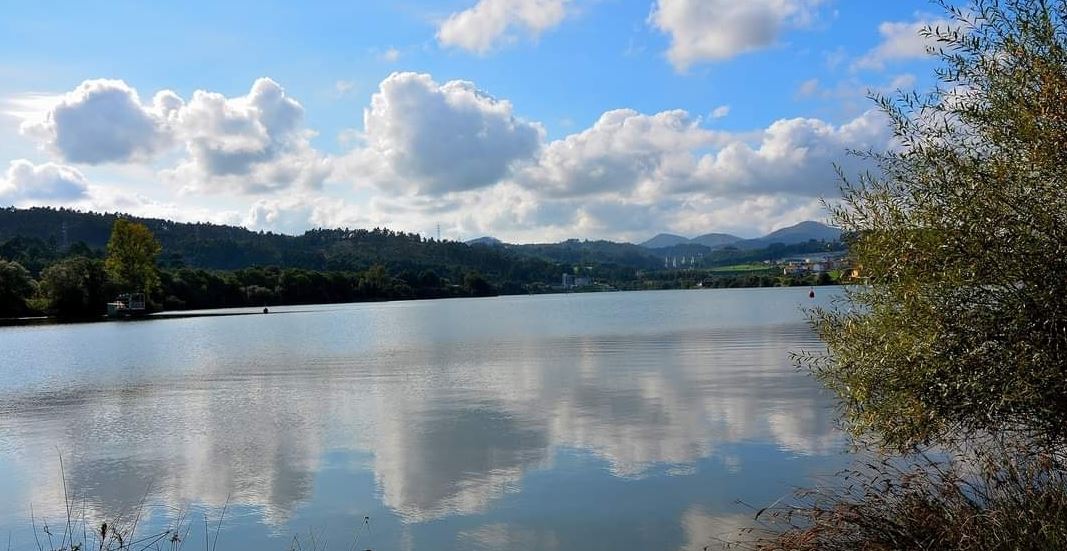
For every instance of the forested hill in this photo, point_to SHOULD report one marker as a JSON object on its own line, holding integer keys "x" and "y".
{"x": 36, "y": 236}
{"x": 213, "y": 246}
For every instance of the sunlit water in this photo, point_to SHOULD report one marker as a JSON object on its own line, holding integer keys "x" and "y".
{"x": 643, "y": 420}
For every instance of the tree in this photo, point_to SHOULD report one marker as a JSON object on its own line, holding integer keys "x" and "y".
{"x": 131, "y": 257}
{"x": 477, "y": 286}
{"x": 75, "y": 287}
{"x": 16, "y": 286}
{"x": 963, "y": 231}
{"x": 375, "y": 282}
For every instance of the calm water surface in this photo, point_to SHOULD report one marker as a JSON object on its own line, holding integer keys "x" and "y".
{"x": 589, "y": 421}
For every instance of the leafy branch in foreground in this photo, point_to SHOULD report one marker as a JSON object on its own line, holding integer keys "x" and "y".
{"x": 958, "y": 344}
{"x": 962, "y": 230}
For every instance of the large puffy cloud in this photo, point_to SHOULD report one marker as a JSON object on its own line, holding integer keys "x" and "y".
{"x": 249, "y": 143}
{"x": 104, "y": 121}
{"x": 254, "y": 142}
{"x": 435, "y": 143}
{"x": 793, "y": 156}
{"x": 431, "y": 138}
{"x": 45, "y": 182}
{"x": 483, "y": 26}
{"x": 453, "y": 155}
{"x": 712, "y": 30}
{"x": 622, "y": 150}
{"x": 652, "y": 156}
{"x": 631, "y": 175}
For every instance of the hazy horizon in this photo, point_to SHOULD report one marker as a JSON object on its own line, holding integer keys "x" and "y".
{"x": 461, "y": 239}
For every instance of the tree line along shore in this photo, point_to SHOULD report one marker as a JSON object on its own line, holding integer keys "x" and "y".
{"x": 41, "y": 277}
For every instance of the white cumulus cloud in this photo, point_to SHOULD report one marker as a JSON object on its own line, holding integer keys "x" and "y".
{"x": 455, "y": 155}
{"x": 27, "y": 184}
{"x": 430, "y": 138}
{"x": 104, "y": 121}
{"x": 45, "y": 182}
{"x": 624, "y": 149}
{"x": 653, "y": 156}
{"x": 715, "y": 30}
{"x": 793, "y": 156}
{"x": 901, "y": 41}
{"x": 250, "y": 143}
{"x": 490, "y": 22}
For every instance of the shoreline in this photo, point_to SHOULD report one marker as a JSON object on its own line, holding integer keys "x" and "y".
{"x": 31, "y": 321}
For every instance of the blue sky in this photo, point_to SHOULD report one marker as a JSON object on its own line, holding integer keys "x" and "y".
{"x": 531, "y": 120}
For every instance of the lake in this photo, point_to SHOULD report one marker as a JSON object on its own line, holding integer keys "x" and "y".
{"x": 638, "y": 420}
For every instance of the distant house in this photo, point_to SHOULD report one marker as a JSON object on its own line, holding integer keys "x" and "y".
{"x": 573, "y": 282}
{"x": 807, "y": 266}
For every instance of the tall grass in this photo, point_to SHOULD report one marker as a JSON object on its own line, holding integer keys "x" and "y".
{"x": 991, "y": 498}
{"x": 76, "y": 531}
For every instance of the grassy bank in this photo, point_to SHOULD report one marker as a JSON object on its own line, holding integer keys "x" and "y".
{"x": 1002, "y": 498}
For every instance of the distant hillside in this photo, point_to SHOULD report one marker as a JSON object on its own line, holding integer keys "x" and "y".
{"x": 34, "y": 232}
{"x": 715, "y": 240}
{"x": 587, "y": 253}
{"x": 664, "y": 240}
{"x": 800, "y": 233}
{"x": 486, "y": 241}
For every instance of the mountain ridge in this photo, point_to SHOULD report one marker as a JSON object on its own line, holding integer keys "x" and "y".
{"x": 789, "y": 235}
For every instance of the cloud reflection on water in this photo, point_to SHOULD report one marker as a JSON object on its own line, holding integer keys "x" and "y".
{"x": 449, "y": 428}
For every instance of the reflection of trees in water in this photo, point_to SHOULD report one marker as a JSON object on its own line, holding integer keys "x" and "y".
{"x": 450, "y": 427}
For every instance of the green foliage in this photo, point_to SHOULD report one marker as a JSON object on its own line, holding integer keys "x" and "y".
{"x": 15, "y": 286}
{"x": 131, "y": 256}
{"x": 33, "y": 254}
{"x": 75, "y": 287}
{"x": 209, "y": 246}
{"x": 963, "y": 232}
{"x": 210, "y": 266}
{"x": 714, "y": 279}
{"x": 477, "y": 286}
{"x": 189, "y": 288}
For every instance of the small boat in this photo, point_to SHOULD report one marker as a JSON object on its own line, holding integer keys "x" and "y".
{"x": 811, "y": 293}
{"x": 128, "y": 305}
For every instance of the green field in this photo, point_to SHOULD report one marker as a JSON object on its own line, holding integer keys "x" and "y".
{"x": 743, "y": 268}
